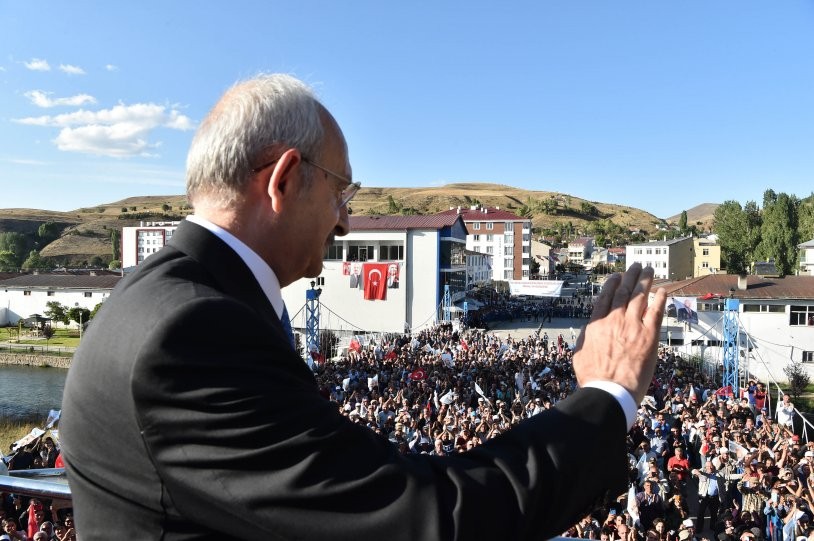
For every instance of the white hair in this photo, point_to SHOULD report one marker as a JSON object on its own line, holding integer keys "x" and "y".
{"x": 251, "y": 116}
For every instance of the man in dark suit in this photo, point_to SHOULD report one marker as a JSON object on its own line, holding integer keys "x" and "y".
{"x": 188, "y": 415}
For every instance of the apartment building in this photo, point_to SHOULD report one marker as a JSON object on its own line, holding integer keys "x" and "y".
{"x": 501, "y": 234}
{"x": 671, "y": 259}
{"x": 707, "y": 256}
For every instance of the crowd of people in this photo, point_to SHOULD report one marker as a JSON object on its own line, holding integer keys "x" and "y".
{"x": 445, "y": 391}
{"x": 34, "y": 519}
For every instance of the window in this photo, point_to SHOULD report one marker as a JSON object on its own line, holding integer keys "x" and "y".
{"x": 391, "y": 252}
{"x": 808, "y": 356}
{"x": 490, "y": 225}
{"x": 650, "y": 251}
{"x": 508, "y": 250}
{"x": 508, "y": 239}
{"x": 334, "y": 252}
{"x": 802, "y": 316}
{"x": 508, "y": 227}
{"x": 658, "y": 251}
{"x": 508, "y": 274}
{"x": 51, "y": 293}
{"x": 507, "y": 262}
{"x": 476, "y": 225}
{"x": 360, "y": 253}
{"x": 475, "y": 238}
{"x": 26, "y": 293}
{"x": 490, "y": 249}
{"x": 488, "y": 238}
{"x": 705, "y": 251}
{"x": 525, "y": 272}
{"x": 88, "y": 294}
{"x": 637, "y": 251}
{"x": 705, "y": 265}
{"x": 710, "y": 306}
{"x": 765, "y": 308}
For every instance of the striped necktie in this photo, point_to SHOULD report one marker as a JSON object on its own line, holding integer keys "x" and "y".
{"x": 287, "y": 327}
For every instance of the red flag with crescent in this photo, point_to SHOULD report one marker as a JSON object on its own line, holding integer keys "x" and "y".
{"x": 375, "y": 279}
{"x": 418, "y": 374}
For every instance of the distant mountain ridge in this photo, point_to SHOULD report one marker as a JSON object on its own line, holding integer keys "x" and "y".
{"x": 86, "y": 231}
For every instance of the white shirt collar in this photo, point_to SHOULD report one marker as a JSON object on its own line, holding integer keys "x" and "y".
{"x": 262, "y": 272}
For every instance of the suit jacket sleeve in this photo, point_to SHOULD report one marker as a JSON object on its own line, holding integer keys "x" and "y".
{"x": 243, "y": 443}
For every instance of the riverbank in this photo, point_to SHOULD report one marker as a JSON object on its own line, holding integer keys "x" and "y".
{"x": 26, "y": 359}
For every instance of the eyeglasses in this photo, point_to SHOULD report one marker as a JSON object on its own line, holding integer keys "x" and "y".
{"x": 348, "y": 193}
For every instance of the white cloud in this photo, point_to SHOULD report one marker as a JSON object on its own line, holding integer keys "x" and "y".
{"x": 23, "y": 161}
{"x": 2, "y": 68}
{"x": 43, "y": 99}
{"x": 71, "y": 70}
{"x": 111, "y": 67}
{"x": 37, "y": 64}
{"x": 121, "y": 131}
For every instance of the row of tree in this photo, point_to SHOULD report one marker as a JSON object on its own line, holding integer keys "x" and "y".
{"x": 750, "y": 233}
{"x": 60, "y": 313}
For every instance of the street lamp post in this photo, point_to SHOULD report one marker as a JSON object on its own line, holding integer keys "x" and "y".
{"x": 76, "y": 304}
{"x": 669, "y": 338}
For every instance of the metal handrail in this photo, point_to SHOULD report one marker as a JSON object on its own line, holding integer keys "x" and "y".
{"x": 48, "y": 483}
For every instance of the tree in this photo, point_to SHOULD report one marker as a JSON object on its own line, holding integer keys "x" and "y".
{"x": 730, "y": 225}
{"x": 682, "y": 222}
{"x": 34, "y": 261}
{"x": 165, "y": 207}
{"x": 95, "y": 310}
{"x": 8, "y": 261}
{"x": 114, "y": 264}
{"x": 47, "y": 333}
{"x": 779, "y": 233}
{"x": 47, "y": 233}
{"x": 805, "y": 219}
{"x": 17, "y": 244}
{"x": 115, "y": 242}
{"x": 79, "y": 315}
{"x": 798, "y": 378}
{"x": 588, "y": 209}
{"x": 57, "y": 312}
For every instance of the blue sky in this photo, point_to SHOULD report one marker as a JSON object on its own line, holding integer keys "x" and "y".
{"x": 657, "y": 105}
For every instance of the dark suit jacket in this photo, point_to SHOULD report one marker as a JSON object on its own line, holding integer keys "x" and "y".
{"x": 186, "y": 415}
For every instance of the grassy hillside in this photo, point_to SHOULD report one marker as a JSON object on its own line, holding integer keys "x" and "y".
{"x": 87, "y": 230}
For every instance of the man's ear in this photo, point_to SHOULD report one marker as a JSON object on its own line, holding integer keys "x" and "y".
{"x": 282, "y": 183}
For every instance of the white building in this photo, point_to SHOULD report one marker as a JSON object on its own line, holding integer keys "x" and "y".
{"x": 776, "y": 317}
{"x": 27, "y": 294}
{"x": 807, "y": 257}
{"x": 501, "y": 234}
{"x": 389, "y": 272}
{"x": 579, "y": 251}
{"x": 670, "y": 259}
{"x": 139, "y": 243}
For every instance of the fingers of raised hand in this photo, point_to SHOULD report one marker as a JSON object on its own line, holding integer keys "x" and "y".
{"x": 603, "y": 302}
{"x": 623, "y": 293}
{"x": 638, "y": 296}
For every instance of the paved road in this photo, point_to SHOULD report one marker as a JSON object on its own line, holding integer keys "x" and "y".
{"x": 521, "y": 328}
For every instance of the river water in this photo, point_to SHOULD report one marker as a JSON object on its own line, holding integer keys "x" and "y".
{"x": 28, "y": 392}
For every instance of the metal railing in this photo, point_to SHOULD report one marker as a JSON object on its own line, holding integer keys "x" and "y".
{"x": 47, "y": 483}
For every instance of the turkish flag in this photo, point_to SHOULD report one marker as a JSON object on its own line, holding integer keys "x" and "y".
{"x": 418, "y": 374}
{"x": 391, "y": 354}
{"x": 464, "y": 345}
{"x": 375, "y": 279}
{"x": 355, "y": 345}
{"x": 59, "y": 462}
{"x": 725, "y": 391}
